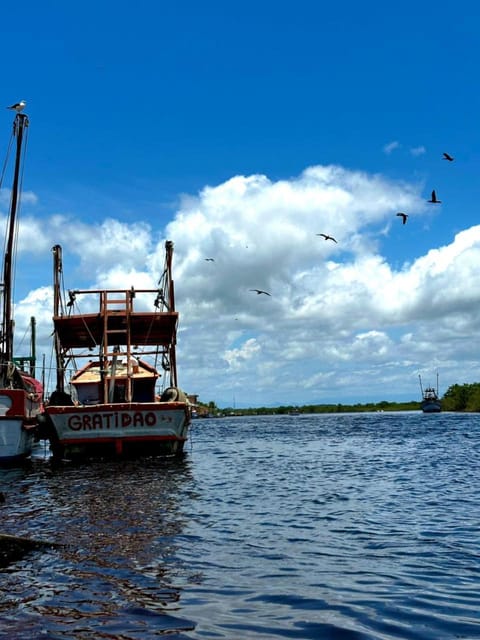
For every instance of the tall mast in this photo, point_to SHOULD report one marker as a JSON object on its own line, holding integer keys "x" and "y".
{"x": 33, "y": 340}
{"x": 57, "y": 308}
{"x": 171, "y": 307}
{"x": 19, "y": 125}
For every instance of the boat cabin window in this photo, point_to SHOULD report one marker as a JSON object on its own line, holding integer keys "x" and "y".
{"x": 88, "y": 393}
{"x": 143, "y": 390}
{"x": 119, "y": 392}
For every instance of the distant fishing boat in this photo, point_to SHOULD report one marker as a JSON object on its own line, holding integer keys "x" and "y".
{"x": 430, "y": 402}
{"x": 21, "y": 395}
{"x": 112, "y": 407}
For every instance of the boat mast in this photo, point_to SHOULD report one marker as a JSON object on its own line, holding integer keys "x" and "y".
{"x": 33, "y": 340}
{"x": 19, "y": 125}
{"x": 57, "y": 274}
{"x": 171, "y": 307}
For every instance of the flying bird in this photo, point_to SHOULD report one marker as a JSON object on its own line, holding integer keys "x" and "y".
{"x": 259, "y": 291}
{"x": 403, "y": 216}
{"x": 324, "y": 235}
{"x": 447, "y": 156}
{"x": 18, "y": 106}
{"x": 209, "y": 260}
{"x": 434, "y": 198}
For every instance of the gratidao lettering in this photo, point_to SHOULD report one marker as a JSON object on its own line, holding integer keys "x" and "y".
{"x": 114, "y": 420}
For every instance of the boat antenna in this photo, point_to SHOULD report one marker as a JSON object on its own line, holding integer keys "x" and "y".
{"x": 19, "y": 125}
{"x": 420, "y": 379}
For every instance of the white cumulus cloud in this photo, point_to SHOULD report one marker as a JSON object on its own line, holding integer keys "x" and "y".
{"x": 341, "y": 321}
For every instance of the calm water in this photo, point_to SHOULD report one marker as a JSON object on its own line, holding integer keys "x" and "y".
{"x": 330, "y": 527}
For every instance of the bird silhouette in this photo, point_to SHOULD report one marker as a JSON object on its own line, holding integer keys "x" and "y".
{"x": 403, "y": 216}
{"x": 18, "y": 106}
{"x": 324, "y": 235}
{"x": 209, "y": 260}
{"x": 434, "y": 198}
{"x": 259, "y": 291}
{"x": 447, "y": 156}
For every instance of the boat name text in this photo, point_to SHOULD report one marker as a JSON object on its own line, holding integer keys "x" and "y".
{"x": 114, "y": 420}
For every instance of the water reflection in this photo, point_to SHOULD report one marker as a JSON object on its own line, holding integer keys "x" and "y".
{"x": 117, "y": 524}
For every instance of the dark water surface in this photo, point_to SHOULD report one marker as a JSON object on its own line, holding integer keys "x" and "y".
{"x": 331, "y": 527}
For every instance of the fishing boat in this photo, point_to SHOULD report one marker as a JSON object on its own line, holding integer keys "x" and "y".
{"x": 430, "y": 402}
{"x": 21, "y": 394}
{"x": 112, "y": 406}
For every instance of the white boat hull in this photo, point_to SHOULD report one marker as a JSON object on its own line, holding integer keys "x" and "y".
{"x": 118, "y": 428}
{"x": 18, "y": 422}
{"x": 16, "y": 440}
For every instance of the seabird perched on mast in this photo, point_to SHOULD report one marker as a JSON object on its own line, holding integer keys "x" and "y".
{"x": 18, "y": 106}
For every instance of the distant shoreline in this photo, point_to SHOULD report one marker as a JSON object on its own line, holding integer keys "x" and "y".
{"x": 370, "y": 407}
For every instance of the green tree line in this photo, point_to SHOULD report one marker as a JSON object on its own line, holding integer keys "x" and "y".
{"x": 211, "y": 409}
{"x": 462, "y": 397}
{"x": 458, "y": 397}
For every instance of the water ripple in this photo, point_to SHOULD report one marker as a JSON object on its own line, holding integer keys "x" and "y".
{"x": 359, "y": 527}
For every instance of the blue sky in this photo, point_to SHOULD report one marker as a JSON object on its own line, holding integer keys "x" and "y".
{"x": 225, "y": 125}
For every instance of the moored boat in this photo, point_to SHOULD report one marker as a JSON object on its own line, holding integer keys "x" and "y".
{"x": 112, "y": 406}
{"x": 430, "y": 402}
{"x": 21, "y": 395}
